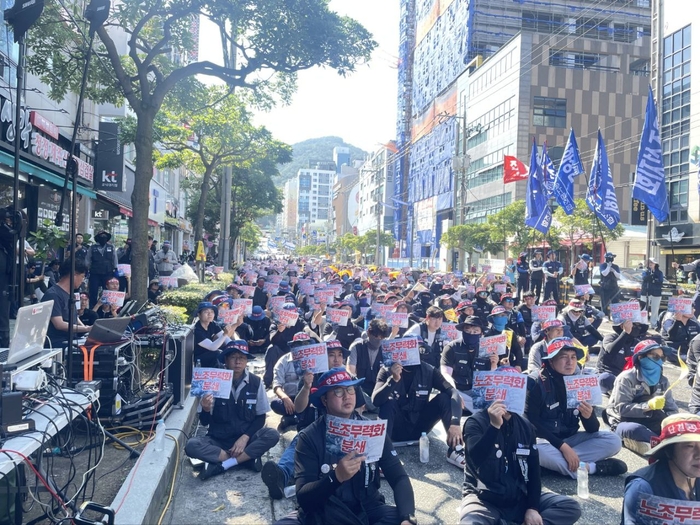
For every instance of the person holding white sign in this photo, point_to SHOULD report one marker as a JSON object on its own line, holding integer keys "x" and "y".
{"x": 502, "y": 480}
{"x": 579, "y": 325}
{"x": 673, "y": 475}
{"x": 682, "y": 330}
{"x": 498, "y": 320}
{"x": 237, "y": 433}
{"x": 641, "y": 399}
{"x": 617, "y": 347}
{"x": 429, "y": 331}
{"x": 562, "y": 446}
{"x": 208, "y": 337}
{"x": 280, "y": 337}
{"x": 330, "y": 489}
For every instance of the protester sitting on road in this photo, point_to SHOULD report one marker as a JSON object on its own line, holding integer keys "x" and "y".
{"x": 460, "y": 359}
{"x": 260, "y": 296}
{"x": 423, "y": 302}
{"x": 675, "y": 468}
{"x": 679, "y": 334}
{"x": 482, "y": 305}
{"x": 561, "y": 445}
{"x": 429, "y": 331}
{"x": 502, "y": 482}
{"x": 552, "y": 329}
{"x": 580, "y": 326}
{"x": 87, "y": 315}
{"x": 237, "y": 433}
{"x": 277, "y": 476}
{"x": 208, "y": 336}
{"x": 498, "y": 320}
{"x": 280, "y": 337}
{"x": 347, "y": 334}
{"x": 366, "y": 357}
{"x": 260, "y": 324}
{"x": 594, "y": 316}
{"x": 464, "y": 309}
{"x": 396, "y": 330}
{"x": 617, "y": 347}
{"x": 402, "y": 395}
{"x": 640, "y": 399}
{"x": 332, "y": 494}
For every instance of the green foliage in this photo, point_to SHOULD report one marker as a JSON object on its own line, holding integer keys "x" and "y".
{"x": 251, "y": 234}
{"x": 187, "y": 297}
{"x": 581, "y": 225}
{"x": 314, "y": 149}
{"x": 468, "y": 236}
{"x": 225, "y": 277}
{"x": 175, "y": 314}
{"x": 311, "y": 250}
{"x": 365, "y": 244}
{"x": 48, "y": 240}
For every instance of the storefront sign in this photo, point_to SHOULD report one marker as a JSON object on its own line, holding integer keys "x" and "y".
{"x": 100, "y": 215}
{"x": 639, "y": 213}
{"x": 35, "y": 143}
{"x": 48, "y": 203}
{"x": 109, "y": 164}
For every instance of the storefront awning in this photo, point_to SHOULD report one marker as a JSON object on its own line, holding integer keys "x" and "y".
{"x": 153, "y": 223}
{"x": 36, "y": 171}
{"x": 680, "y": 251}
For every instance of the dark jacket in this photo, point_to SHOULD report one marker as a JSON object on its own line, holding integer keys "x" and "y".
{"x": 464, "y": 361}
{"x": 500, "y": 479}
{"x": 652, "y": 282}
{"x": 260, "y": 298}
{"x": 546, "y": 409}
{"x": 102, "y": 263}
{"x": 324, "y": 500}
{"x": 617, "y": 347}
{"x": 515, "y": 353}
{"x": 363, "y": 366}
{"x": 680, "y": 334}
{"x": 231, "y": 419}
{"x": 582, "y": 328}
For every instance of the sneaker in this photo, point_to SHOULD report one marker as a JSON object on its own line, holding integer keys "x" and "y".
{"x": 273, "y": 478}
{"x": 254, "y": 464}
{"x": 286, "y": 422}
{"x": 211, "y": 470}
{"x": 610, "y": 467}
{"x": 455, "y": 456}
{"x": 640, "y": 447}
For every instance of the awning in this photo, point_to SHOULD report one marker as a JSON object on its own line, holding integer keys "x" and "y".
{"x": 153, "y": 223}
{"x": 680, "y": 251}
{"x": 41, "y": 173}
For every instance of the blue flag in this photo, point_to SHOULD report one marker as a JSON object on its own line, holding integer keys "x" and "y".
{"x": 548, "y": 173}
{"x": 538, "y": 215}
{"x": 570, "y": 167}
{"x": 650, "y": 181}
{"x": 601, "y": 196}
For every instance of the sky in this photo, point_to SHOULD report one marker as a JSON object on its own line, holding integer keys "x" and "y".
{"x": 360, "y": 108}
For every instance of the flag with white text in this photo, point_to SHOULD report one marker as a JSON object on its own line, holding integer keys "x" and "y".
{"x": 569, "y": 168}
{"x": 538, "y": 214}
{"x": 601, "y": 197}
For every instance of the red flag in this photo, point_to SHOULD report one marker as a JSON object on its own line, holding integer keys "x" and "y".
{"x": 513, "y": 170}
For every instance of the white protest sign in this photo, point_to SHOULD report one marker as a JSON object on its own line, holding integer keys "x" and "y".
{"x": 450, "y": 332}
{"x": 399, "y": 319}
{"x": 326, "y": 296}
{"x": 216, "y": 381}
{"x": 310, "y": 358}
{"x": 168, "y": 282}
{"x": 509, "y": 387}
{"x": 288, "y": 317}
{"x": 405, "y": 351}
{"x": 227, "y": 316}
{"x": 248, "y": 290}
{"x": 276, "y": 302}
{"x": 339, "y": 316}
{"x": 124, "y": 270}
{"x": 496, "y": 344}
{"x": 583, "y": 289}
{"x": 544, "y": 313}
{"x": 352, "y": 435}
{"x": 246, "y": 303}
{"x": 621, "y": 312}
{"x": 582, "y": 388}
{"x": 113, "y": 297}
{"x": 680, "y": 305}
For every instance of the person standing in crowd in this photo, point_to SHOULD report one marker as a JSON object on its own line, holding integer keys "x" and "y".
{"x": 580, "y": 272}
{"x": 237, "y": 433}
{"x": 61, "y": 295}
{"x": 652, "y": 283}
{"x": 674, "y": 468}
{"x": 402, "y": 395}
{"x": 640, "y": 399}
{"x": 429, "y": 331}
{"x": 552, "y": 271}
{"x": 561, "y": 445}
{"x": 509, "y": 270}
{"x": 617, "y": 347}
{"x": 502, "y": 482}
{"x": 365, "y": 358}
{"x": 165, "y": 259}
{"x": 78, "y": 250}
{"x": 152, "y": 271}
{"x": 609, "y": 287}
{"x": 332, "y": 489}
{"x": 523, "y": 269}
{"x": 536, "y": 275}
{"x": 208, "y": 337}
{"x": 102, "y": 261}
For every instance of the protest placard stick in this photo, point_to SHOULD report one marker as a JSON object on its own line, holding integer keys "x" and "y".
{"x": 682, "y": 376}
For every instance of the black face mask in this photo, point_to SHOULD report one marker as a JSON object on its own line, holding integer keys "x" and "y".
{"x": 471, "y": 340}
{"x": 166, "y": 249}
{"x": 101, "y": 240}
{"x": 425, "y": 301}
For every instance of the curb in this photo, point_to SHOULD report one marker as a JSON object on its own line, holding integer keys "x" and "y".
{"x": 143, "y": 493}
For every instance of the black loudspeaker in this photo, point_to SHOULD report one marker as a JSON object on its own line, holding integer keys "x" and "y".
{"x": 179, "y": 347}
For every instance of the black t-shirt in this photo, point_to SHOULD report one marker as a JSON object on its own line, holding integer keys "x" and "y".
{"x": 88, "y": 317}
{"x": 208, "y": 358}
{"x": 61, "y": 308}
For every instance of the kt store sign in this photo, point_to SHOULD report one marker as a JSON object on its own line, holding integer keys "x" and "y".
{"x": 39, "y": 138}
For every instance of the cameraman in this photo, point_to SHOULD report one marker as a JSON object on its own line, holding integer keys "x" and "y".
{"x": 652, "y": 281}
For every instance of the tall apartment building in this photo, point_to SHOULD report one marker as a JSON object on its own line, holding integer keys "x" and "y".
{"x": 307, "y": 202}
{"x": 376, "y": 189}
{"x": 442, "y": 39}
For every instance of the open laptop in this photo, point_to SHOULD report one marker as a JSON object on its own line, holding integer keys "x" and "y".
{"x": 30, "y": 332}
{"x": 108, "y": 331}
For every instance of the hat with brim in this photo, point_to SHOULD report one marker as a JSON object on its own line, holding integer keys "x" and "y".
{"x": 334, "y": 344}
{"x": 258, "y": 313}
{"x": 642, "y": 348}
{"x": 576, "y": 306}
{"x": 497, "y": 310}
{"x": 206, "y": 304}
{"x": 471, "y": 320}
{"x": 677, "y": 428}
{"x": 562, "y": 343}
{"x": 335, "y": 377}
{"x": 585, "y": 257}
{"x": 237, "y": 345}
{"x": 104, "y": 233}
{"x": 153, "y": 281}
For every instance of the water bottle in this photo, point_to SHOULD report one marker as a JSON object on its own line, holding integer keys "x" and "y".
{"x": 198, "y": 364}
{"x": 582, "y": 477}
{"x": 290, "y": 491}
{"x": 159, "y": 441}
{"x": 424, "y": 445}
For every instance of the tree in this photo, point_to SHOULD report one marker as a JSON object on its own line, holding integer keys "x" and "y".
{"x": 466, "y": 237}
{"x": 507, "y": 228}
{"x": 210, "y": 130}
{"x": 581, "y": 228}
{"x": 311, "y": 250}
{"x": 251, "y": 234}
{"x": 270, "y": 41}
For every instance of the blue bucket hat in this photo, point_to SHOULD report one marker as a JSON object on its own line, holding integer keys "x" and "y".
{"x": 284, "y": 286}
{"x": 237, "y": 345}
{"x": 329, "y": 380}
{"x": 206, "y": 304}
{"x": 258, "y": 313}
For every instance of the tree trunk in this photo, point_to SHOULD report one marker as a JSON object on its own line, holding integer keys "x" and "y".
{"x": 141, "y": 205}
{"x": 201, "y": 205}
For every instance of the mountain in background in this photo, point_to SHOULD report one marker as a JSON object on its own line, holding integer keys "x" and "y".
{"x": 319, "y": 149}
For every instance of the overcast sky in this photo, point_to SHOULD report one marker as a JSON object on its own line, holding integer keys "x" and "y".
{"x": 360, "y": 108}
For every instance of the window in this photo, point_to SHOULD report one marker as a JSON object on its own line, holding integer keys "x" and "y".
{"x": 550, "y": 112}
{"x": 477, "y": 211}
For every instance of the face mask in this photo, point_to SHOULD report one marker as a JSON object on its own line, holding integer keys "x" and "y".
{"x": 499, "y": 323}
{"x": 471, "y": 340}
{"x": 425, "y": 301}
{"x": 651, "y": 370}
{"x": 482, "y": 296}
{"x": 101, "y": 240}
{"x": 635, "y": 331}
{"x": 165, "y": 249}
{"x": 363, "y": 302}
{"x": 574, "y": 316}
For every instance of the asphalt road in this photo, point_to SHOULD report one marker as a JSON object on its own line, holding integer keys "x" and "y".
{"x": 240, "y": 497}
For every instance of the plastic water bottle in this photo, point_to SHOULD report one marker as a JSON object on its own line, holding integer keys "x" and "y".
{"x": 424, "y": 446}
{"x": 582, "y": 477}
{"x": 290, "y": 491}
{"x": 159, "y": 441}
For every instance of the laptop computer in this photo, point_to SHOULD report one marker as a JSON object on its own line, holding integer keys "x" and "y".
{"x": 30, "y": 332}
{"x": 108, "y": 331}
